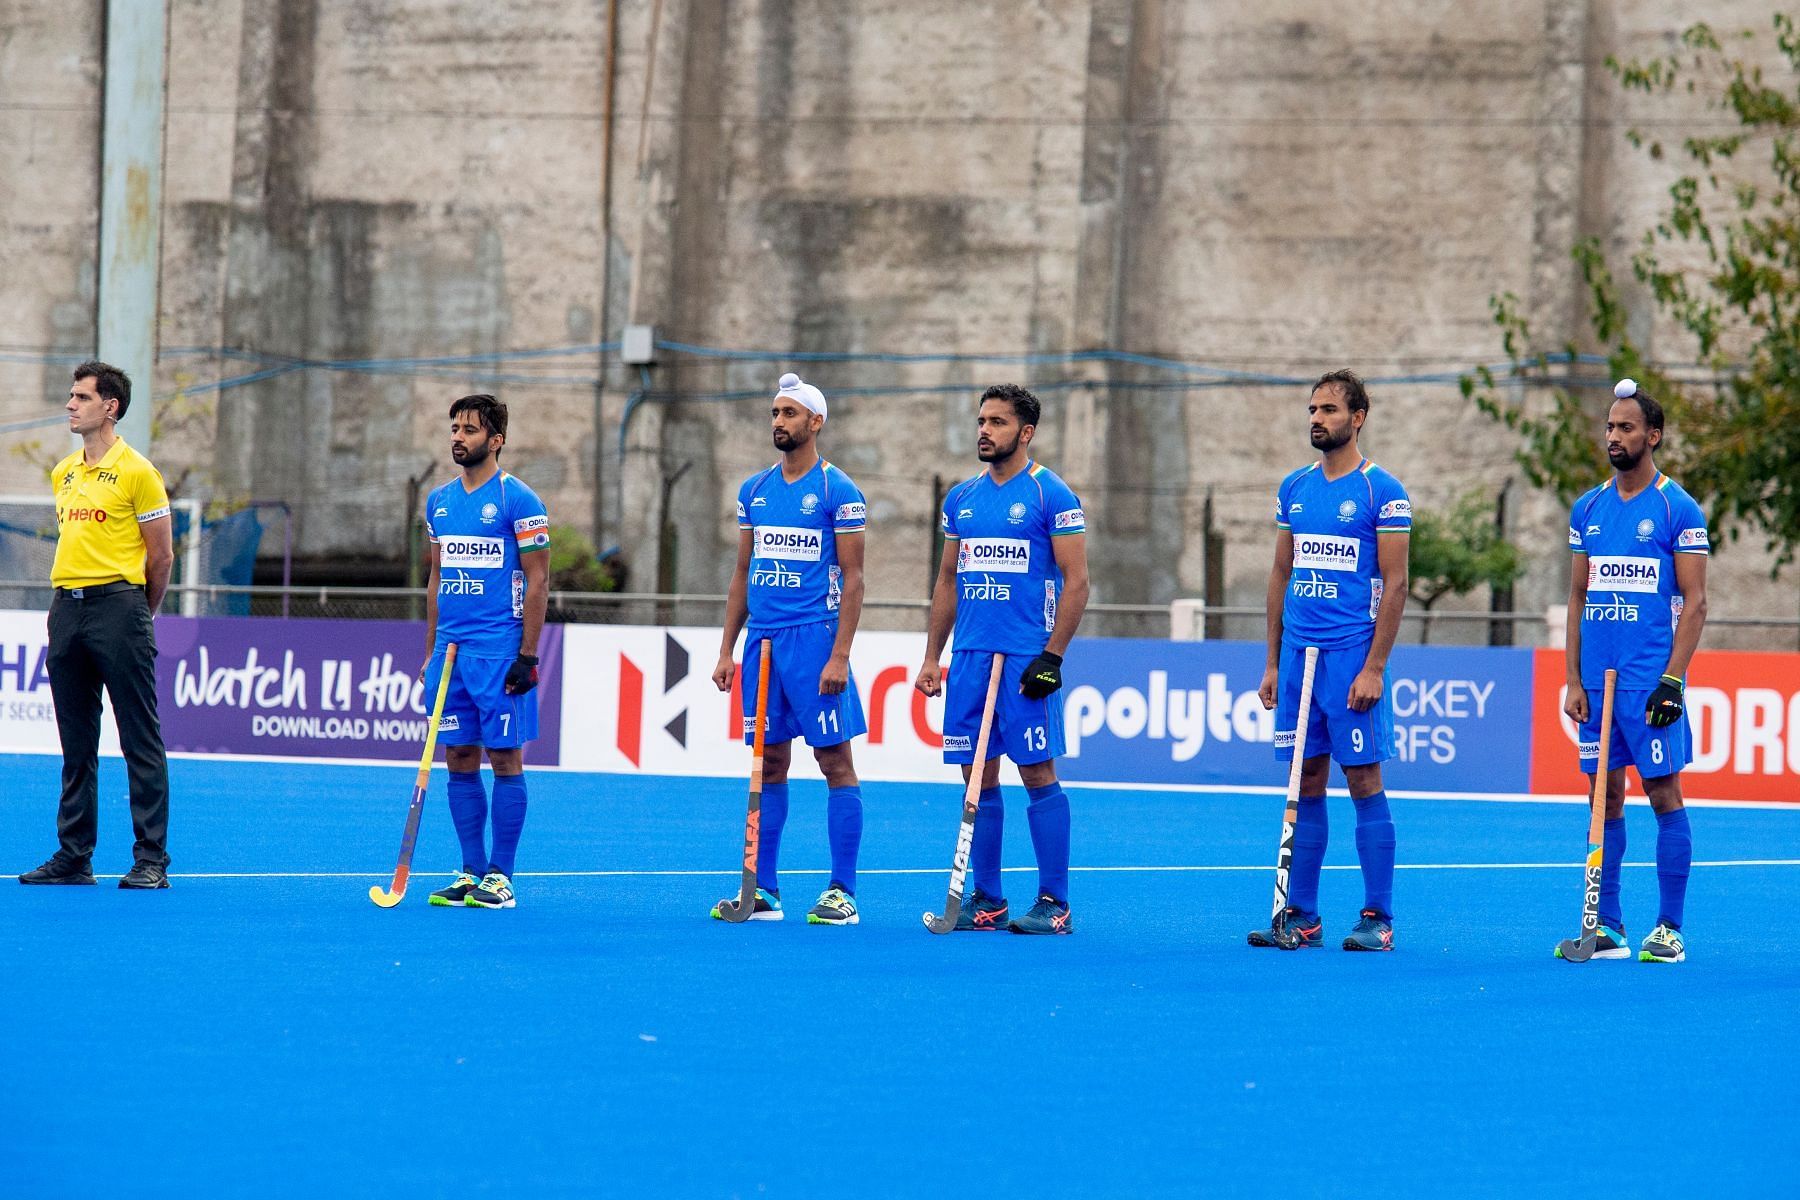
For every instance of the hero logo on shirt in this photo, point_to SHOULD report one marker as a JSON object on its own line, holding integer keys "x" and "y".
{"x": 852, "y": 512}
{"x": 477, "y": 552}
{"x": 1619, "y": 574}
{"x": 1692, "y": 539}
{"x": 789, "y": 542}
{"x": 994, "y": 554}
{"x": 1395, "y": 508}
{"x": 1325, "y": 552}
{"x": 1070, "y": 518}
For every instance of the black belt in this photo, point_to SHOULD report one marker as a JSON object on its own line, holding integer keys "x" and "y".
{"x": 94, "y": 593}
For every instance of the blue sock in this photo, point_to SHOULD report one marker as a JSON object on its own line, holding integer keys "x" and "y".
{"x": 509, "y": 820}
{"x": 1311, "y": 831}
{"x": 1674, "y": 855}
{"x": 768, "y": 844}
{"x": 1375, "y": 850}
{"x": 1048, "y": 815}
{"x": 844, "y": 821}
{"x": 468, "y": 809}
{"x": 1612, "y": 857}
{"x": 984, "y": 854}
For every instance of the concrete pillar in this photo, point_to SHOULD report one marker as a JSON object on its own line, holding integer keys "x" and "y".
{"x": 131, "y": 153}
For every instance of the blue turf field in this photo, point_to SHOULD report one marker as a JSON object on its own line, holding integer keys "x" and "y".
{"x": 273, "y": 1033}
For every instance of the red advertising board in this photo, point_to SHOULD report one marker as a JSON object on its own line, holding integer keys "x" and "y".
{"x": 1744, "y": 712}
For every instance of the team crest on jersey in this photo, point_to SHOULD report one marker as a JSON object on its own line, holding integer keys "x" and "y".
{"x": 1645, "y": 528}
{"x": 1346, "y": 510}
{"x": 489, "y": 514}
{"x": 809, "y": 504}
{"x": 1016, "y": 514}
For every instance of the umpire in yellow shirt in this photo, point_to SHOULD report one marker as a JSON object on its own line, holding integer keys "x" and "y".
{"x": 113, "y": 553}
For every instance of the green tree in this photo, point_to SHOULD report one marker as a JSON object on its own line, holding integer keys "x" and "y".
{"x": 573, "y": 567}
{"x": 1734, "y": 215}
{"x": 1457, "y": 552}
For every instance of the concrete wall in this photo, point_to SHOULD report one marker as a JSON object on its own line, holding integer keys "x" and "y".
{"x": 1280, "y": 189}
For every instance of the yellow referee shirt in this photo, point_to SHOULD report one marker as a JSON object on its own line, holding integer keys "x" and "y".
{"x": 98, "y": 510}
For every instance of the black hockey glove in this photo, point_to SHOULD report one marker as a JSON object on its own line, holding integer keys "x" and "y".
{"x": 521, "y": 677}
{"x": 1042, "y": 677}
{"x": 1665, "y": 703}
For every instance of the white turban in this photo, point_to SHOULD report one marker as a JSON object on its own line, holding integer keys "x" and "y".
{"x": 797, "y": 389}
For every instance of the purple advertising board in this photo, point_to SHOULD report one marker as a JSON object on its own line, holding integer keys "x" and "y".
{"x": 313, "y": 688}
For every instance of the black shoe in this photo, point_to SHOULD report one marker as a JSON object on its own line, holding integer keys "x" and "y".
{"x": 59, "y": 870}
{"x": 147, "y": 876}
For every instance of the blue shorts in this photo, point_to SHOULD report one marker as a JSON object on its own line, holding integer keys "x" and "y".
{"x": 477, "y": 710}
{"x": 1026, "y": 731}
{"x": 1354, "y": 739}
{"x": 1654, "y": 752}
{"x": 797, "y": 709}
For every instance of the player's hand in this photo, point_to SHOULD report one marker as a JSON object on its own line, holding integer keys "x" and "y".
{"x": 522, "y": 676}
{"x": 1575, "y": 704}
{"x": 723, "y": 673}
{"x": 1366, "y": 689}
{"x": 1266, "y": 693}
{"x": 836, "y": 675}
{"x": 1042, "y": 676}
{"x": 930, "y": 680}
{"x": 1665, "y": 705}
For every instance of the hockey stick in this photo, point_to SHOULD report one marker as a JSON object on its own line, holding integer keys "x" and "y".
{"x": 388, "y": 897}
{"x": 746, "y": 904}
{"x": 1284, "y": 857}
{"x": 965, "y": 836}
{"x": 1581, "y": 949}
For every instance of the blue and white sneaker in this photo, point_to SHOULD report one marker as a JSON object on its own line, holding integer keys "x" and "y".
{"x": 768, "y": 907}
{"x": 1664, "y": 945}
{"x": 1374, "y": 932}
{"x": 1307, "y": 930}
{"x": 980, "y": 913}
{"x": 1612, "y": 944}
{"x": 1048, "y": 915}
{"x": 835, "y": 907}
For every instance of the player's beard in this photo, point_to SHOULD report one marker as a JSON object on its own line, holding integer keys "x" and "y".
{"x": 473, "y": 455}
{"x": 785, "y": 441}
{"x": 996, "y": 451}
{"x": 1325, "y": 441}
{"x": 1624, "y": 460}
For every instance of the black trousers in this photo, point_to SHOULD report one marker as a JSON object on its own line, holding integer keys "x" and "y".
{"x": 108, "y": 640}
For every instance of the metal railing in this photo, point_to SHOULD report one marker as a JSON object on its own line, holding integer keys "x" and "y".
{"x": 1238, "y": 623}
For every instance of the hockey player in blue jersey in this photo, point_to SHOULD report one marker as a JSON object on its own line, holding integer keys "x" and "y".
{"x": 490, "y": 538}
{"x": 799, "y": 583}
{"x": 1342, "y": 532}
{"x": 1637, "y": 602}
{"x": 1014, "y": 581}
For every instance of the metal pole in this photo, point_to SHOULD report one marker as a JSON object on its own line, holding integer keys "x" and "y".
{"x": 131, "y": 141}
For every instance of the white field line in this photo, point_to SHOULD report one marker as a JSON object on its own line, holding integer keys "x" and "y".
{"x": 1572, "y": 865}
